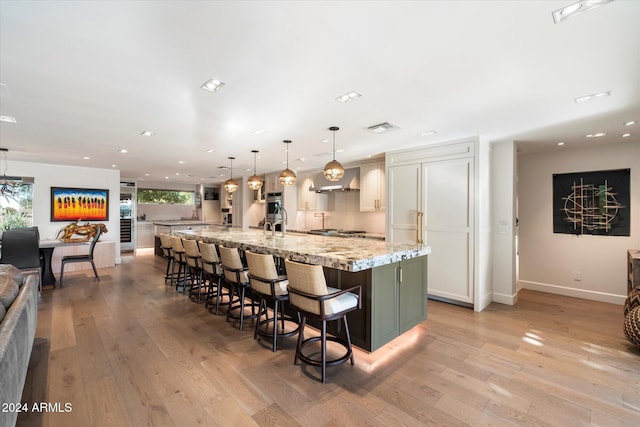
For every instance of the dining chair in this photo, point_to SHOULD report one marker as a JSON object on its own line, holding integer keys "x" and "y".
{"x": 20, "y": 248}
{"x": 69, "y": 259}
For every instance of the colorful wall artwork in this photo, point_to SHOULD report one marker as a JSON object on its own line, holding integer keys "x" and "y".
{"x": 592, "y": 203}
{"x": 73, "y": 204}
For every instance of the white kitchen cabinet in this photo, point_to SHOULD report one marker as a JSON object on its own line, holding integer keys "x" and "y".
{"x": 271, "y": 183}
{"x": 372, "y": 187}
{"x": 145, "y": 237}
{"x": 432, "y": 201}
{"x": 310, "y": 200}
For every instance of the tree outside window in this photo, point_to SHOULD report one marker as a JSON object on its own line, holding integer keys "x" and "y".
{"x": 172, "y": 197}
{"x": 16, "y": 205}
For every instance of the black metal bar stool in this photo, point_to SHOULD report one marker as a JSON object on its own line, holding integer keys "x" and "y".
{"x": 165, "y": 245}
{"x": 212, "y": 270}
{"x": 235, "y": 275}
{"x": 310, "y": 295}
{"x": 197, "y": 285}
{"x": 271, "y": 287}
{"x": 179, "y": 259}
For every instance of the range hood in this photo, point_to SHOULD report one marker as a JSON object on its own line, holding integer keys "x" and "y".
{"x": 349, "y": 182}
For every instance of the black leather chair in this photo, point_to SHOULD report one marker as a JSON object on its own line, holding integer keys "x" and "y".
{"x": 20, "y": 248}
{"x": 82, "y": 258}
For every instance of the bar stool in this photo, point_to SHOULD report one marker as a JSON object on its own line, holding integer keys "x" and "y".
{"x": 310, "y": 295}
{"x": 165, "y": 245}
{"x": 194, "y": 264}
{"x": 265, "y": 280}
{"x": 180, "y": 259}
{"x": 212, "y": 270}
{"x": 235, "y": 275}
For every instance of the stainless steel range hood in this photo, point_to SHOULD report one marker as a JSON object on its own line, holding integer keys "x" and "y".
{"x": 349, "y": 182}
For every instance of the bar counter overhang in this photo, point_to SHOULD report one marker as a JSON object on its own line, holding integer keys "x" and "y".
{"x": 393, "y": 276}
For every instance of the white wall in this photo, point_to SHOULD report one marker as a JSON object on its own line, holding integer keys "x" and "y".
{"x": 547, "y": 260}
{"x": 503, "y": 188}
{"x": 47, "y": 176}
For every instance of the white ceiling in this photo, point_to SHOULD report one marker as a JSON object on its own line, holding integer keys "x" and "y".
{"x": 86, "y": 78}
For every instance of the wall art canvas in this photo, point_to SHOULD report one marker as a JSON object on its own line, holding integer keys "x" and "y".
{"x": 72, "y": 204}
{"x": 595, "y": 202}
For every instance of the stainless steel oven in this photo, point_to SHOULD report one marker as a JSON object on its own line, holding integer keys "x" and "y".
{"x": 274, "y": 207}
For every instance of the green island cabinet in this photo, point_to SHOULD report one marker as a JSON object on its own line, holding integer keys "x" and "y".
{"x": 394, "y": 301}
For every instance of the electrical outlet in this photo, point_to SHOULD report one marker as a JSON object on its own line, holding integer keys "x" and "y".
{"x": 577, "y": 276}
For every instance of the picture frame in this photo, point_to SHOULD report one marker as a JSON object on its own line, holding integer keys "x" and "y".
{"x": 593, "y": 202}
{"x": 79, "y": 204}
{"x": 211, "y": 193}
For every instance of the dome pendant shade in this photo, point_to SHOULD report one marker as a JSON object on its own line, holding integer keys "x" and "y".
{"x": 254, "y": 182}
{"x": 287, "y": 177}
{"x": 333, "y": 171}
{"x": 231, "y": 184}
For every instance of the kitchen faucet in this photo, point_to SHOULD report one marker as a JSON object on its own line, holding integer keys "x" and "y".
{"x": 282, "y": 222}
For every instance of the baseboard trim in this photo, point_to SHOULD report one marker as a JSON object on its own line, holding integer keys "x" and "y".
{"x": 573, "y": 292}
{"x": 505, "y": 298}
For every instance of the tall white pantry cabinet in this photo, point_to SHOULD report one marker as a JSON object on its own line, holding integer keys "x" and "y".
{"x": 432, "y": 198}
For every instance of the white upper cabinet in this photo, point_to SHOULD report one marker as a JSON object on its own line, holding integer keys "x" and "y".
{"x": 372, "y": 187}
{"x": 309, "y": 200}
{"x": 271, "y": 183}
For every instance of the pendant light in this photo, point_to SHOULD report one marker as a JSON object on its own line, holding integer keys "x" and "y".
{"x": 287, "y": 177}
{"x": 333, "y": 171}
{"x": 254, "y": 182}
{"x": 231, "y": 184}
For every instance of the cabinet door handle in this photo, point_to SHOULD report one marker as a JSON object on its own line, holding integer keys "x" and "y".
{"x": 400, "y": 274}
{"x": 419, "y": 226}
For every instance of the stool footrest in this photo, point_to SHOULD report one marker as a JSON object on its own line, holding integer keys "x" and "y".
{"x": 329, "y": 362}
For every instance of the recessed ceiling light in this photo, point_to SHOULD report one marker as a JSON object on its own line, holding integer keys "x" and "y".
{"x": 166, "y": 177}
{"x": 212, "y": 85}
{"x": 595, "y": 135}
{"x": 122, "y": 150}
{"x": 427, "y": 133}
{"x": 576, "y": 8}
{"x": 86, "y": 158}
{"x": 325, "y": 140}
{"x": 146, "y": 174}
{"x": 592, "y": 96}
{"x": 632, "y": 122}
{"x": 626, "y": 135}
{"x": 382, "y": 127}
{"x": 348, "y": 96}
{"x": 113, "y": 166}
{"x": 8, "y": 119}
{"x": 210, "y": 150}
{"x": 177, "y": 173}
{"x": 181, "y": 162}
{"x": 560, "y": 143}
{"x": 259, "y": 131}
{"x": 302, "y": 159}
{"x": 147, "y": 133}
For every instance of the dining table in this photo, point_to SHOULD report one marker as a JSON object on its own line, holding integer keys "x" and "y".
{"x": 47, "y": 247}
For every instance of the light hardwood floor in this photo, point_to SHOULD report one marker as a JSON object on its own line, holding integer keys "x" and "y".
{"x": 130, "y": 351}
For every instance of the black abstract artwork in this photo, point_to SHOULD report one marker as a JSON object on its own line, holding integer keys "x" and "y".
{"x": 592, "y": 203}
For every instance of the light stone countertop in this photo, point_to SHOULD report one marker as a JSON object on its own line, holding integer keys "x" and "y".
{"x": 341, "y": 253}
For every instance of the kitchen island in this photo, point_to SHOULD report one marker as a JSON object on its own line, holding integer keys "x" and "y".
{"x": 393, "y": 276}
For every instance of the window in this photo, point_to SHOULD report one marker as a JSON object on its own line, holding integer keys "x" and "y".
{"x": 172, "y": 197}
{"x": 16, "y": 204}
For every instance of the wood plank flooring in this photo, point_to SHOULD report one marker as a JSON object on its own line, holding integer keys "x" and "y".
{"x": 130, "y": 351}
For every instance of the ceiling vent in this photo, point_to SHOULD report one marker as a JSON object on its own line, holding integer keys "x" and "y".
{"x": 382, "y": 127}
